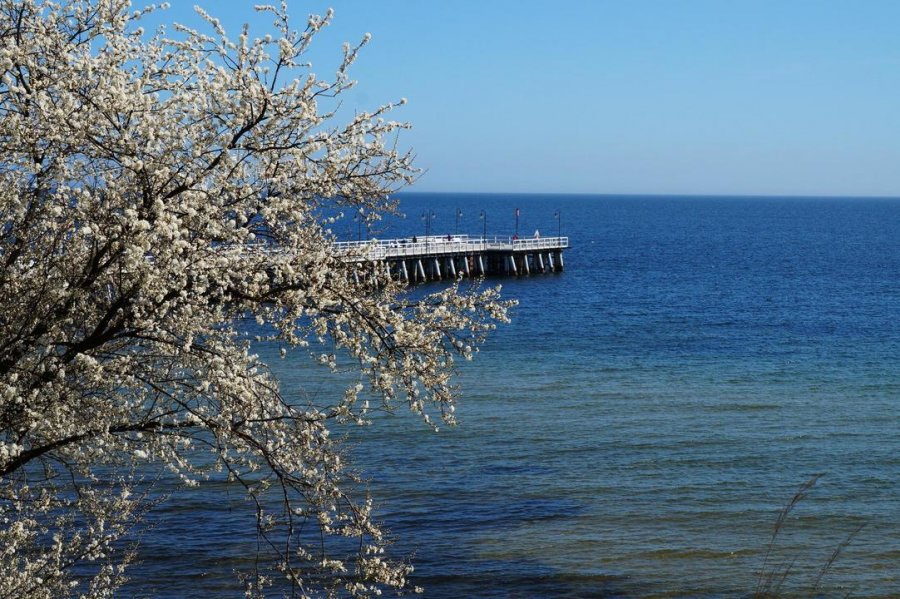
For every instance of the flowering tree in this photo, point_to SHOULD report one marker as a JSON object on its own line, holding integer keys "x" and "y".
{"x": 154, "y": 194}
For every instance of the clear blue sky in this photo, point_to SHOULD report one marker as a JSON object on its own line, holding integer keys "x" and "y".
{"x": 592, "y": 96}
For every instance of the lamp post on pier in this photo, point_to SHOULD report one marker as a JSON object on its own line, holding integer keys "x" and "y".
{"x": 458, "y": 214}
{"x": 483, "y": 217}
{"x": 427, "y": 217}
{"x": 558, "y": 216}
{"x": 516, "y": 236}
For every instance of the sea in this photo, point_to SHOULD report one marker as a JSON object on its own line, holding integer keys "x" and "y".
{"x": 639, "y": 426}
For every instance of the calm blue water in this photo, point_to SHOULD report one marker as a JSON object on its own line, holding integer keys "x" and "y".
{"x": 636, "y": 429}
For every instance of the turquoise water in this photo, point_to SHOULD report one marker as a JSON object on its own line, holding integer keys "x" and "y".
{"x": 636, "y": 429}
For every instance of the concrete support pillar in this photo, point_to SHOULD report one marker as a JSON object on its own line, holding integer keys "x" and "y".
{"x": 421, "y": 269}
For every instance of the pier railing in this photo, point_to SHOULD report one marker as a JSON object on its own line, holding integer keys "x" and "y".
{"x": 435, "y": 245}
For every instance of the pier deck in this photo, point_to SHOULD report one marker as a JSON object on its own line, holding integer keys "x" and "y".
{"x": 435, "y": 257}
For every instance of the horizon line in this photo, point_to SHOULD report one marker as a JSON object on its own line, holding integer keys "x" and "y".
{"x": 660, "y": 195}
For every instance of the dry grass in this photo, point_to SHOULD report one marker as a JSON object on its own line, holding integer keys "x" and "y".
{"x": 772, "y": 576}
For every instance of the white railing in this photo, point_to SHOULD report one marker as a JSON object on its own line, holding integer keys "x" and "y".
{"x": 386, "y": 249}
{"x": 540, "y": 243}
{"x": 380, "y": 249}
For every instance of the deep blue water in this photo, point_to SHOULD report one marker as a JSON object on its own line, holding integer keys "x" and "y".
{"x": 636, "y": 429}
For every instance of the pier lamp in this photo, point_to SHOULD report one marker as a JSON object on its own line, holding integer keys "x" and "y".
{"x": 558, "y": 215}
{"x": 427, "y": 217}
{"x": 483, "y": 217}
{"x": 458, "y": 214}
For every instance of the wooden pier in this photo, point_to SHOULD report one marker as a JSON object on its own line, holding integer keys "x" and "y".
{"x": 434, "y": 257}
